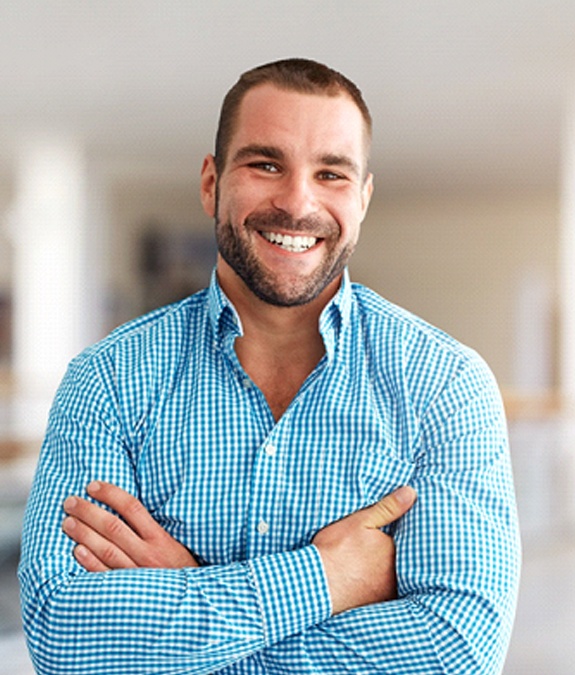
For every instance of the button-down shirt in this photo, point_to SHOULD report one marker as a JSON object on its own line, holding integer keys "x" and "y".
{"x": 163, "y": 408}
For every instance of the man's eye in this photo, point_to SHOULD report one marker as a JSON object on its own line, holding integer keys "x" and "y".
{"x": 329, "y": 175}
{"x": 268, "y": 167}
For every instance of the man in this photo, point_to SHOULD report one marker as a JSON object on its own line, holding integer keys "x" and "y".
{"x": 249, "y": 444}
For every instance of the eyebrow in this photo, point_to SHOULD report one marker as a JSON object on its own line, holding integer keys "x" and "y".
{"x": 255, "y": 150}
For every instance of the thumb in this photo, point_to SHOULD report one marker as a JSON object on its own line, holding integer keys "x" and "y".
{"x": 390, "y": 508}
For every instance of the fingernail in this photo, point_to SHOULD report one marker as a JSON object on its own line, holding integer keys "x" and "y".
{"x": 405, "y": 495}
{"x": 70, "y": 503}
{"x": 94, "y": 486}
{"x": 80, "y": 551}
{"x": 69, "y": 524}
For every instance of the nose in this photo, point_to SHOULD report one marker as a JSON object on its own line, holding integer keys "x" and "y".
{"x": 295, "y": 195}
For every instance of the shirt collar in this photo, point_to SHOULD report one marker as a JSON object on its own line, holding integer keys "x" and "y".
{"x": 335, "y": 316}
{"x": 223, "y": 315}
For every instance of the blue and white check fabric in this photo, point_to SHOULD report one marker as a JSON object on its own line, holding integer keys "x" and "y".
{"x": 163, "y": 408}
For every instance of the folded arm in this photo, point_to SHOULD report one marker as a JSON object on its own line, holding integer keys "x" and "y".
{"x": 350, "y": 549}
{"x": 192, "y": 619}
{"x": 457, "y": 555}
{"x": 146, "y": 605}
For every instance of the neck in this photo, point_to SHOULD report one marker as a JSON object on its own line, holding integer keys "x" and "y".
{"x": 280, "y": 346}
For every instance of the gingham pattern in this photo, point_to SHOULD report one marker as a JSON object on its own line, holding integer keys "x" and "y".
{"x": 163, "y": 408}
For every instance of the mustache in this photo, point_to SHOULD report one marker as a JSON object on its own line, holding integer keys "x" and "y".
{"x": 280, "y": 220}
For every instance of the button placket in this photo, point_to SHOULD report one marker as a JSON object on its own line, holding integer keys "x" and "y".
{"x": 265, "y": 498}
{"x": 263, "y": 526}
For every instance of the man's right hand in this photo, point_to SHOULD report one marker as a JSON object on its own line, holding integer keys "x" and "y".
{"x": 359, "y": 559}
{"x": 106, "y": 541}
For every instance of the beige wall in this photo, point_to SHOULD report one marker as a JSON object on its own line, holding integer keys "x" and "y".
{"x": 460, "y": 261}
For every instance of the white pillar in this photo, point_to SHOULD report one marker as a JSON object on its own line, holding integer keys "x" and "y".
{"x": 533, "y": 348}
{"x": 567, "y": 295}
{"x": 56, "y": 290}
{"x": 567, "y": 259}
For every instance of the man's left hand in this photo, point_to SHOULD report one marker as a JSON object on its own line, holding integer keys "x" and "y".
{"x": 132, "y": 539}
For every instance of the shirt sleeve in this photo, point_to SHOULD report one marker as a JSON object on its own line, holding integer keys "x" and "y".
{"x": 196, "y": 620}
{"x": 458, "y": 556}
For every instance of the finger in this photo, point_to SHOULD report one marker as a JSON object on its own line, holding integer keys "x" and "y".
{"x": 94, "y": 547}
{"x": 127, "y": 506}
{"x": 89, "y": 561}
{"x": 390, "y": 508}
{"x": 111, "y": 529}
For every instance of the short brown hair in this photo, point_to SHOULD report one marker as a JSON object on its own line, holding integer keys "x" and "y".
{"x": 301, "y": 75}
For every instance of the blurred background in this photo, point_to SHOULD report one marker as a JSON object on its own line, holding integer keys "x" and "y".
{"x": 106, "y": 112}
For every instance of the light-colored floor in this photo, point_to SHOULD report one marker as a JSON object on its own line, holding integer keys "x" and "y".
{"x": 14, "y": 656}
{"x": 543, "y": 642}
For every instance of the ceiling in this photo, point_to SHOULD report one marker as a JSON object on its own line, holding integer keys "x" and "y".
{"x": 463, "y": 93}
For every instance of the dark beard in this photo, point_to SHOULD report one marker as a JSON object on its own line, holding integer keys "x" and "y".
{"x": 261, "y": 281}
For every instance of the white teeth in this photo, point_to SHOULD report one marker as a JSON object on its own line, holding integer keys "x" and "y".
{"x": 293, "y": 243}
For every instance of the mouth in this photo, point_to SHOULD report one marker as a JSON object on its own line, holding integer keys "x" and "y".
{"x": 294, "y": 243}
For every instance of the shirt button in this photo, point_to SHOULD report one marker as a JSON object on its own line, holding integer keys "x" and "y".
{"x": 263, "y": 527}
{"x": 247, "y": 383}
{"x": 270, "y": 450}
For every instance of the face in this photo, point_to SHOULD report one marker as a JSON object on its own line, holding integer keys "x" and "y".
{"x": 292, "y": 195}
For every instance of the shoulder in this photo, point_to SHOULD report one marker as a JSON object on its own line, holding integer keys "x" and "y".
{"x": 150, "y": 342}
{"x": 385, "y": 319}
{"x": 407, "y": 349}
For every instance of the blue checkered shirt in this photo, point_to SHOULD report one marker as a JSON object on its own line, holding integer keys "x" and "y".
{"x": 163, "y": 408}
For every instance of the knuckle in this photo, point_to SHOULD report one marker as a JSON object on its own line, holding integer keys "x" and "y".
{"x": 153, "y": 557}
{"x": 159, "y": 561}
{"x": 383, "y": 513}
{"x": 113, "y": 527}
{"x": 109, "y": 555}
{"x": 384, "y": 509}
{"x": 133, "y": 508}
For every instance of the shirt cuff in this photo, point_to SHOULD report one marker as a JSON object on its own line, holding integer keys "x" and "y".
{"x": 292, "y": 591}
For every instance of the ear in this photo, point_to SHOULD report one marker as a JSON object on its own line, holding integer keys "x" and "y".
{"x": 208, "y": 183}
{"x": 366, "y": 192}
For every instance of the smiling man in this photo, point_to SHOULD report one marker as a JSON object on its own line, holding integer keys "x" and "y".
{"x": 223, "y": 483}
{"x": 294, "y": 175}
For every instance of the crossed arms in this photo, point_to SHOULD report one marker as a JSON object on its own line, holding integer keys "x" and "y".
{"x": 358, "y": 557}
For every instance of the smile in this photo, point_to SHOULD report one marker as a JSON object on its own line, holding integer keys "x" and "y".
{"x": 293, "y": 243}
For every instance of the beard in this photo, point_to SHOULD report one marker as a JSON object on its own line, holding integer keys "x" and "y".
{"x": 238, "y": 253}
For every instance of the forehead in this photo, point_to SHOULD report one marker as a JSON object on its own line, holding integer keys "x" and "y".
{"x": 269, "y": 114}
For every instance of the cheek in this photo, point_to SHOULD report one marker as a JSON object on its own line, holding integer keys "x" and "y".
{"x": 235, "y": 206}
{"x": 350, "y": 223}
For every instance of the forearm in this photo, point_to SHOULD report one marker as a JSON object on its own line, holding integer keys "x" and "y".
{"x": 394, "y": 638}
{"x": 193, "y": 620}
{"x": 441, "y": 629}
